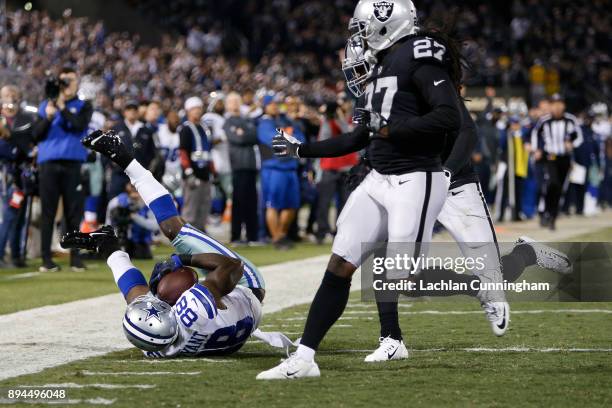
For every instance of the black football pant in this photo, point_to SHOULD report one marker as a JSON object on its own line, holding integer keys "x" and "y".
{"x": 60, "y": 178}
{"x": 555, "y": 174}
{"x": 244, "y": 204}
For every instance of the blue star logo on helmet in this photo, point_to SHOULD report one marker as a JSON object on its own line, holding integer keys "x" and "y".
{"x": 152, "y": 312}
{"x": 383, "y": 10}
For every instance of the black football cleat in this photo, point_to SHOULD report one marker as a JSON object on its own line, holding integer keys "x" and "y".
{"x": 110, "y": 145}
{"x": 103, "y": 241}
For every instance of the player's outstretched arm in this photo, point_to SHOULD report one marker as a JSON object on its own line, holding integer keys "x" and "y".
{"x": 287, "y": 146}
{"x": 103, "y": 241}
{"x": 153, "y": 193}
{"x": 439, "y": 92}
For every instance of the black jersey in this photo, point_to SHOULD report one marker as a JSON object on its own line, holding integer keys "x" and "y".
{"x": 412, "y": 89}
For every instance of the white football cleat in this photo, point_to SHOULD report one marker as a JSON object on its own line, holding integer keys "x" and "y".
{"x": 498, "y": 314}
{"x": 548, "y": 257}
{"x": 291, "y": 368}
{"x": 389, "y": 349}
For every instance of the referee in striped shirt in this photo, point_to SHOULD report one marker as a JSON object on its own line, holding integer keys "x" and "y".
{"x": 553, "y": 139}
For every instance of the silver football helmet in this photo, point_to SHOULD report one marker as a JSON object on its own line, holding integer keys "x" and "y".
{"x": 149, "y": 323}
{"x": 357, "y": 65}
{"x": 381, "y": 23}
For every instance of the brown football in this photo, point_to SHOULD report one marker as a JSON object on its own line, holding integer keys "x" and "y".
{"x": 172, "y": 286}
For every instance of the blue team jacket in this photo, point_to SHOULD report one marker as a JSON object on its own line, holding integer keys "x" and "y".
{"x": 266, "y": 130}
{"x": 63, "y": 142}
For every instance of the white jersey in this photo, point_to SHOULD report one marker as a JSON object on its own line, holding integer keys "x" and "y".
{"x": 220, "y": 151}
{"x": 206, "y": 329}
{"x": 169, "y": 144}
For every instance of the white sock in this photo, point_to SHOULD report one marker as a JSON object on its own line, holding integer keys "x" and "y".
{"x": 305, "y": 353}
{"x": 146, "y": 185}
{"x": 119, "y": 262}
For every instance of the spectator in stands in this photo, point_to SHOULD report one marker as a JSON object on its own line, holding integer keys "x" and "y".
{"x": 146, "y": 141}
{"x": 127, "y": 129}
{"x": 586, "y": 158}
{"x": 486, "y": 153}
{"x": 214, "y": 120}
{"x": 133, "y": 221}
{"x": 512, "y": 169}
{"x": 169, "y": 144}
{"x": 194, "y": 149}
{"x": 537, "y": 77}
{"x": 332, "y": 184}
{"x": 249, "y": 108}
{"x": 244, "y": 156}
{"x": 606, "y": 183}
{"x": 63, "y": 123}
{"x": 16, "y": 142}
{"x": 279, "y": 178}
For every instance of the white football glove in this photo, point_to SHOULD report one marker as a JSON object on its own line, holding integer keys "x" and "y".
{"x": 285, "y": 145}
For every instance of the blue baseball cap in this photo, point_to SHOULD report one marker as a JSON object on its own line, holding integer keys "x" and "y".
{"x": 267, "y": 99}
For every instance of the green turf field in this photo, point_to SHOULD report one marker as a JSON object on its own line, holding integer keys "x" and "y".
{"x": 552, "y": 356}
{"x": 26, "y": 288}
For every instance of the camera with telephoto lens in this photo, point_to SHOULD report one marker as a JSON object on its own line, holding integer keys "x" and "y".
{"x": 121, "y": 219}
{"x": 54, "y": 86}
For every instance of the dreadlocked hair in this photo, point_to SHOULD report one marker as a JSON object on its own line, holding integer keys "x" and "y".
{"x": 441, "y": 27}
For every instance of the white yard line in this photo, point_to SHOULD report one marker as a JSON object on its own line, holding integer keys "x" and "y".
{"x": 61, "y": 402}
{"x": 95, "y": 385}
{"x": 492, "y": 350}
{"x": 176, "y": 360}
{"x": 129, "y": 373}
{"x": 35, "y": 339}
{"x": 466, "y": 312}
{"x": 21, "y": 275}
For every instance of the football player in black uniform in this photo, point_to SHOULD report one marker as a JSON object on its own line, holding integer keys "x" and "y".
{"x": 466, "y": 217}
{"x": 410, "y": 105}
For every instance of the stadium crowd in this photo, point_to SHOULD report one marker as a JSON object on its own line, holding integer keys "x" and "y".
{"x": 200, "y": 108}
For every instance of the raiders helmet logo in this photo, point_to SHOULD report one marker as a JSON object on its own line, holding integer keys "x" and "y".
{"x": 383, "y": 10}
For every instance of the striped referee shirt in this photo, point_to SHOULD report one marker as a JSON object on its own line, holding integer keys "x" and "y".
{"x": 550, "y": 134}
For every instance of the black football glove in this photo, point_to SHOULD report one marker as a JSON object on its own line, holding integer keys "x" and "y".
{"x": 103, "y": 241}
{"x": 161, "y": 269}
{"x": 370, "y": 119}
{"x": 285, "y": 145}
{"x": 357, "y": 174}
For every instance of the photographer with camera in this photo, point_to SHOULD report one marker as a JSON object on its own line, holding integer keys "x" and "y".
{"x": 134, "y": 223}
{"x": 64, "y": 119}
{"x": 16, "y": 144}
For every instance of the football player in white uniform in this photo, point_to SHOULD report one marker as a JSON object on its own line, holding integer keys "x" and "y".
{"x": 210, "y": 318}
{"x": 215, "y": 317}
{"x": 169, "y": 144}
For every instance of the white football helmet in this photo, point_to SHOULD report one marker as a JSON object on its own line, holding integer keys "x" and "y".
{"x": 357, "y": 65}
{"x": 149, "y": 323}
{"x": 381, "y": 23}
